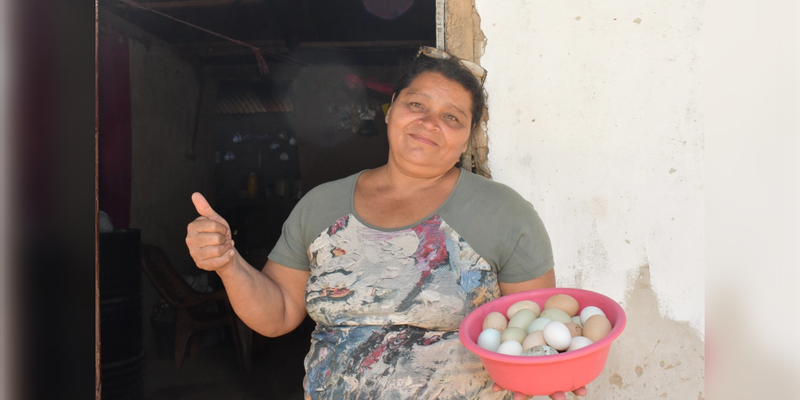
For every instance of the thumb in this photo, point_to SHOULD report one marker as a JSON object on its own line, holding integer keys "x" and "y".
{"x": 202, "y": 206}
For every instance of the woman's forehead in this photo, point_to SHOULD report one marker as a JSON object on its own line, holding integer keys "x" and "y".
{"x": 436, "y": 86}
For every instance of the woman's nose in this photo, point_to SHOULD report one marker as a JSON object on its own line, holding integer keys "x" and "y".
{"x": 428, "y": 121}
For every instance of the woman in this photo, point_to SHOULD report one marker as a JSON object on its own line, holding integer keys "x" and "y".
{"x": 389, "y": 261}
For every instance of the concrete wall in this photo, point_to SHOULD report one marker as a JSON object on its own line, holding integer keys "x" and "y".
{"x": 595, "y": 118}
{"x": 164, "y": 92}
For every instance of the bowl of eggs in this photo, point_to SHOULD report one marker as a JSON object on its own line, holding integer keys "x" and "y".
{"x": 544, "y": 341}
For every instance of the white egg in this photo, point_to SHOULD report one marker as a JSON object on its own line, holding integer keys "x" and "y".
{"x": 557, "y": 335}
{"x": 579, "y": 342}
{"x": 588, "y": 312}
{"x": 511, "y": 347}
{"x": 537, "y": 324}
{"x": 489, "y": 339}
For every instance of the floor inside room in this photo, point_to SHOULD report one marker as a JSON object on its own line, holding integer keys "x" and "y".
{"x": 277, "y": 371}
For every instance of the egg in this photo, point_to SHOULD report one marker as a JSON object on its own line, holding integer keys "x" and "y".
{"x": 524, "y": 304}
{"x": 588, "y": 312}
{"x": 495, "y": 320}
{"x": 563, "y": 302}
{"x": 557, "y": 335}
{"x": 577, "y": 320}
{"x": 511, "y": 347}
{"x": 556, "y": 315}
{"x": 515, "y": 334}
{"x": 536, "y": 338}
{"x": 574, "y": 329}
{"x": 542, "y": 350}
{"x": 522, "y": 319}
{"x": 596, "y": 327}
{"x": 489, "y": 339}
{"x": 579, "y": 342}
{"x": 537, "y": 324}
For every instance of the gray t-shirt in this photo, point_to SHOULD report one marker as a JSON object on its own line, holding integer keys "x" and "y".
{"x": 495, "y": 220}
{"x": 388, "y": 302}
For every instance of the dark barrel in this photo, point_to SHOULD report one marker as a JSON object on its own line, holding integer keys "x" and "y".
{"x": 121, "y": 355}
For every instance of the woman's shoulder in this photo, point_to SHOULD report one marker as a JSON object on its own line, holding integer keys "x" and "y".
{"x": 333, "y": 189}
{"x": 484, "y": 190}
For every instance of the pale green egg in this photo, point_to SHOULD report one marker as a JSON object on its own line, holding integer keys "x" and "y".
{"x": 556, "y": 314}
{"x": 537, "y": 324}
{"x": 522, "y": 318}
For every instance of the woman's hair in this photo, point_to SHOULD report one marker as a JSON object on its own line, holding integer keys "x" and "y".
{"x": 450, "y": 68}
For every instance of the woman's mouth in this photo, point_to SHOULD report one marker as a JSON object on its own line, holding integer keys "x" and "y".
{"x": 423, "y": 139}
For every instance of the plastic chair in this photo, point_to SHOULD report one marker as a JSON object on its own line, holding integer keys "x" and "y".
{"x": 191, "y": 307}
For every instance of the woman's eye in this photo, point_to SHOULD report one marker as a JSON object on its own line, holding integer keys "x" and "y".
{"x": 415, "y": 104}
{"x": 451, "y": 117}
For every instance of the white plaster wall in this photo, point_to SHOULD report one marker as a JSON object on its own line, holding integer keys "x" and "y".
{"x": 595, "y": 119}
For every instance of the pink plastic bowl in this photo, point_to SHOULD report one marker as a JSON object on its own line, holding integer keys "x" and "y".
{"x": 544, "y": 375}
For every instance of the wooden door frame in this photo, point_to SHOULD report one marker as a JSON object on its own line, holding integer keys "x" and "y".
{"x": 97, "y": 381}
{"x": 458, "y": 31}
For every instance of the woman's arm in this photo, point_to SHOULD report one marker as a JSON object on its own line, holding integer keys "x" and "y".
{"x": 548, "y": 280}
{"x": 270, "y": 301}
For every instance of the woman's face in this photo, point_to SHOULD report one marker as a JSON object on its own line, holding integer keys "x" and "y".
{"x": 429, "y": 125}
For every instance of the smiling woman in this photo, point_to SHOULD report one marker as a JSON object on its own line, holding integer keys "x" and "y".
{"x": 388, "y": 261}
{"x": 429, "y": 125}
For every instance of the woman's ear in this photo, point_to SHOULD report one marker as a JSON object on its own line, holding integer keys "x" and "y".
{"x": 386, "y": 119}
{"x": 469, "y": 140}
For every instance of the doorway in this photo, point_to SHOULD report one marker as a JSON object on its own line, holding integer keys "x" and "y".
{"x": 203, "y": 117}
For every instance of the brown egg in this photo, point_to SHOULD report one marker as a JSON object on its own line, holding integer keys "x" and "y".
{"x": 564, "y": 302}
{"x": 536, "y": 338}
{"x": 574, "y": 329}
{"x": 495, "y": 320}
{"x": 596, "y": 327}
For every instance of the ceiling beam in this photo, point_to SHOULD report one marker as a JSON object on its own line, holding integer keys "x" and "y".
{"x": 168, "y": 5}
{"x": 225, "y": 48}
{"x": 391, "y": 44}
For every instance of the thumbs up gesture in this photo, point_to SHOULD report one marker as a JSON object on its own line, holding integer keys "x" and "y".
{"x": 209, "y": 238}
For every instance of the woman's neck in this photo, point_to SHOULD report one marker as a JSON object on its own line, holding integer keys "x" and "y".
{"x": 388, "y": 198}
{"x": 395, "y": 178}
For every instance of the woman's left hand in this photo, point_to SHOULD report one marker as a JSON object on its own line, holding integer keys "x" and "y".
{"x": 581, "y": 391}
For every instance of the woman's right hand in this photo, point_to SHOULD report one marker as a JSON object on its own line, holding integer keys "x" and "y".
{"x": 209, "y": 238}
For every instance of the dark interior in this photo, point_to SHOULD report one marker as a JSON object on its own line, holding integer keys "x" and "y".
{"x": 198, "y": 114}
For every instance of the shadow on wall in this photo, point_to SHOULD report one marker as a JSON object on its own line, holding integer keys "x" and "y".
{"x": 655, "y": 357}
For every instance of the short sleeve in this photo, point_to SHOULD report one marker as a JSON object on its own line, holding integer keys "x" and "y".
{"x": 501, "y": 226}
{"x": 532, "y": 254}
{"x": 290, "y": 250}
{"x": 312, "y": 215}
